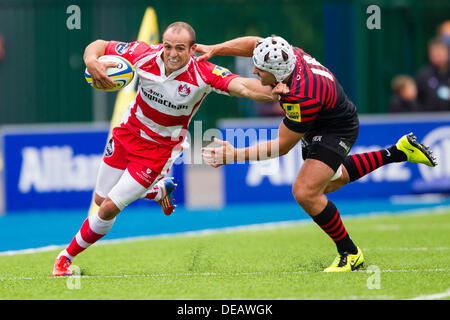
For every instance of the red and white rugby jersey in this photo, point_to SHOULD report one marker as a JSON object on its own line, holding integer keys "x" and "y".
{"x": 164, "y": 106}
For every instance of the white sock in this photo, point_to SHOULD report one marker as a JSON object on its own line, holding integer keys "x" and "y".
{"x": 64, "y": 253}
{"x": 100, "y": 226}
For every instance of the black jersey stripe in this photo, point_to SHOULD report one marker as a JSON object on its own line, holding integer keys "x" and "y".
{"x": 304, "y": 84}
{"x": 309, "y": 82}
{"x": 328, "y": 93}
{"x": 323, "y": 84}
{"x": 331, "y": 93}
{"x": 295, "y": 80}
{"x": 303, "y": 101}
{"x": 310, "y": 111}
{"x": 310, "y": 118}
{"x": 333, "y": 102}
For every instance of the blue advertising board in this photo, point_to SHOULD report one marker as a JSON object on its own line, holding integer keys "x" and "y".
{"x": 55, "y": 167}
{"x": 271, "y": 180}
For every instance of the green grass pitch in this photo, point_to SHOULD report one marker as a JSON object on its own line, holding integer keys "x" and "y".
{"x": 406, "y": 256}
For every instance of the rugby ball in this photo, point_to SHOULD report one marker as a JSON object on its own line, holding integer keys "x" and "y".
{"x": 122, "y": 74}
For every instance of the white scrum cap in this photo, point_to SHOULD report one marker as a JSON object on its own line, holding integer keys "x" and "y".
{"x": 274, "y": 55}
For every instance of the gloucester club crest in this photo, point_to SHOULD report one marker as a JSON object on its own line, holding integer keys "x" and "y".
{"x": 184, "y": 90}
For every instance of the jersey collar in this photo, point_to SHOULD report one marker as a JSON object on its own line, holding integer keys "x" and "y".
{"x": 174, "y": 74}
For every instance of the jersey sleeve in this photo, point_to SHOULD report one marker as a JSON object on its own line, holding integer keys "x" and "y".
{"x": 218, "y": 78}
{"x": 132, "y": 51}
{"x": 301, "y": 113}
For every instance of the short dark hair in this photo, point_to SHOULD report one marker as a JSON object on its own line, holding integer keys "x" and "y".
{"x": 180, "y": 25}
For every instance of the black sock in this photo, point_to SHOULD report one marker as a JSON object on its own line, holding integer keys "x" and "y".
{"x": 330, "y": 222}
{"x": 358, "y": 165}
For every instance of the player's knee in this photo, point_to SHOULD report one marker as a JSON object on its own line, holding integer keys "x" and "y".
{"x": 98, "y": 200}
{"x": 108, "y": 210}
{"x": 303, "y": 194}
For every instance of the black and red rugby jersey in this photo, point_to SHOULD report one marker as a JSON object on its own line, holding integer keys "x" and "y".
{"x": 316, "y": 100}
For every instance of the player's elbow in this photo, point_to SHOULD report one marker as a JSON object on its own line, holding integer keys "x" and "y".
{"x": 99, "y": 42}
{"x": 96, "y": 48}
{"x": 96, "y": 45}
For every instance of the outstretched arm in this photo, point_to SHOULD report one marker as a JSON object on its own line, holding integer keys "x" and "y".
{"x": 226, "y": 153}
{"x": 242, "y": 47}
{"x": 252, "y": 88}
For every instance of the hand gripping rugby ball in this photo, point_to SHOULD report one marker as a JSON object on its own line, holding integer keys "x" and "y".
{"x": 122, "y": 74}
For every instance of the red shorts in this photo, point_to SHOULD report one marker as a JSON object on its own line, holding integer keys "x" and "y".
{"x": 146, "y": 161}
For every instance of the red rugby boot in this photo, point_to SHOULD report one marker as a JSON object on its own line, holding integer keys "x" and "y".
{"x": 167, "y": 201}
{"x": 61, "y": 267}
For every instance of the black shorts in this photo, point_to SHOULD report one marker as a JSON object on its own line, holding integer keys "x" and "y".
{"x": 327, "y": 147}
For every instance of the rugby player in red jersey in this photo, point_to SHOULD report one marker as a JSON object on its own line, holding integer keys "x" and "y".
{"x": 151, "y": 135}
{"x": 319, "y": 114}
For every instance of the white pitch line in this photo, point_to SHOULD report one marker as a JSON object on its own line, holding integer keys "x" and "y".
{"x": 433, "y": 296}
{"x": 204, "y": 274}
{"x": 191, "y": 234}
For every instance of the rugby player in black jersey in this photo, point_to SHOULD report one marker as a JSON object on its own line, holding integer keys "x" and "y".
{"x": 319, "y": 114}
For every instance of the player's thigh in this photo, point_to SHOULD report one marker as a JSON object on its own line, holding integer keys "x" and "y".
{"x": 323, "y": 154}
{"x": 106, "y": 179}
{"x": 126, "y": 190}
{"x": 311, "y": 180}
{"x": 111, "y": 168}
{"x": 151, "y": 164}
{"x": 309, "y": 185}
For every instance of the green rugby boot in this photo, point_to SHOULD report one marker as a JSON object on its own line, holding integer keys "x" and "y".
{"x": 415, "y": 151}
{"x": 347, "y": 262}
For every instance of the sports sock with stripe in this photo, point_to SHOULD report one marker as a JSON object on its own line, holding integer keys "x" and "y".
{"x": 92, "y": 230}
{"x": 329, "y": 220}
{"x": 358, "y": 165}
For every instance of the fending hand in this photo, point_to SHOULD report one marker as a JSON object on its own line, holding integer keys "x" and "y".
{"x": 281, "y": 88}
{"x": 206, "y": 51}
{"x": 218, "y": 156}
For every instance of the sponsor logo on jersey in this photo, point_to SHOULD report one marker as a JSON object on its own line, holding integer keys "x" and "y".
{"x": 159, "y": 98}
{"x": 221, "y": 71}
{"x": 292, "y": 111}
{"x": 184, "y": 90}
{"x": 122, "y": 47}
